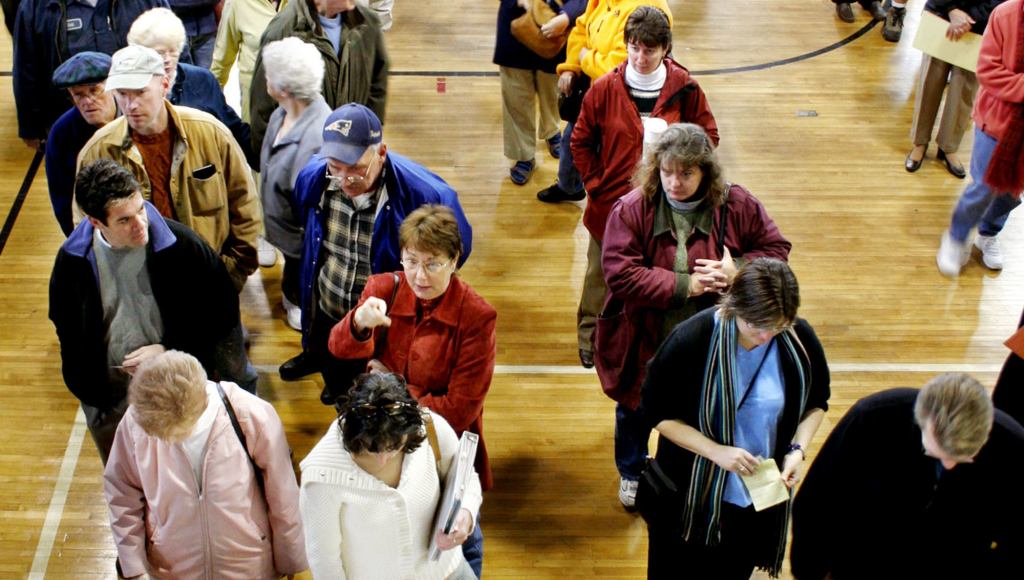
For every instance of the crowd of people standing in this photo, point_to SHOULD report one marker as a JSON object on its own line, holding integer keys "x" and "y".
{"x": 688, "y": 308}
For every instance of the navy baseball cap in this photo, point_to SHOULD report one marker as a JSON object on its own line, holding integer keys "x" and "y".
{"x": 348, "y": 131}
{"x": 84, "y": 68}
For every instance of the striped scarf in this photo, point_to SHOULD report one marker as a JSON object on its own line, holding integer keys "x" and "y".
{"x": 717, "y": 421}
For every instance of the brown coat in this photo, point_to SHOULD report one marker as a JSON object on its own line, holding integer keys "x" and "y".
{"x": 223, "y": 208}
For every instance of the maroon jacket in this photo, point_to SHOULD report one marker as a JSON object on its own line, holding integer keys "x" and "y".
{"x": 638, "y": 255}
{"x": 447, "y": 358}
{"x": 607, "y": 142}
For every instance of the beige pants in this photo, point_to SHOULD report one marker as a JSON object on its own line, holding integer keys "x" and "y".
{"x": 592, "y": 299}
{"x": 956, "y": 115}
{"x": 519, "y": 110}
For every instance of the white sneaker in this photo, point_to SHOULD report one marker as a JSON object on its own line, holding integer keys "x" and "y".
{"x": 627, "y": 493}
{"x": 991, "y": 251}
{"x": 266, "y": 254}
{"x": 293, "y": 312}
{"x": 952, "y": 255}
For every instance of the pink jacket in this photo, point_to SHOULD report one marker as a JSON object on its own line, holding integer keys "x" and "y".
{"x": 1000, "y": 87}
{"x": 163, "y": 525}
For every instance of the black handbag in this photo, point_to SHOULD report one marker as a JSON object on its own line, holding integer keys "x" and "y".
{"x": 569, "y": 105}
{"x": 658, "y": 499}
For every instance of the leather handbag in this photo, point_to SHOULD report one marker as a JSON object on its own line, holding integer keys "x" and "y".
{"x": 569, "y": 105}
{"x": 526, "y": 29}
{"x": 658, "y": 499}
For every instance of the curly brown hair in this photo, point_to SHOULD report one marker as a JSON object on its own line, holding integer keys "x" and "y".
{"x": 682, "y": 145}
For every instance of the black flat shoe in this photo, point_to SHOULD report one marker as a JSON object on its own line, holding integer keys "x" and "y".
{"x": 910, "y": 165}
{"x": 299, "y": 366}
{"x": 555, "y": 194}
{"x": 586, "y": 359}
{"x": 956, "y": 170}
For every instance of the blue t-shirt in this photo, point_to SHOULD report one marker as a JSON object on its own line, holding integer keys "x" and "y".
{"x": 757, "y": 418}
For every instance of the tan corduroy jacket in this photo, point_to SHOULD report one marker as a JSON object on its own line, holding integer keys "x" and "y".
{"x": 221, "y": 205}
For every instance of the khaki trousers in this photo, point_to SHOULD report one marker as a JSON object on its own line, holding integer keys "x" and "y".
{"x": 519, "y": 110}
{"x": 592, "y": 298}
{"x": 956, "y": 115}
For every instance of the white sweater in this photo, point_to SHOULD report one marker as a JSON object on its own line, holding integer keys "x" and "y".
{"x": 359, "y": 527}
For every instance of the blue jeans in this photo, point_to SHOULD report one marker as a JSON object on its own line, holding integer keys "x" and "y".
{"x": 631, "y": 436}
{"x": 200, "y": 48}
{"x": 473, "y": 549}
{"x": 568, "y": 178}
{"x": 232, "y": 363}
{"x": 979, "y": 205}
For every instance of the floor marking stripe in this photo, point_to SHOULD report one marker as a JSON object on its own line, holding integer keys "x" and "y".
{"x": 833, "y": 367}
{"x": 60, "y": 495}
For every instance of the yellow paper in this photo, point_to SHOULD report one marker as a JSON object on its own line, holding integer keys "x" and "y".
{"x": 931, "y": 40}
{"x": 765, "y": 485}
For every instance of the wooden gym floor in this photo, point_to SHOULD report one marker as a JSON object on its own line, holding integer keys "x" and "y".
{"x": 864, "y": 236}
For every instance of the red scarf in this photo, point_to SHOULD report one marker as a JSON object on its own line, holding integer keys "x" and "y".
{"x": 1006, "y": 168}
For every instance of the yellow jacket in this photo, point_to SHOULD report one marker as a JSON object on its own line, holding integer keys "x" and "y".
{"x": 222, "y": 208}
{"x": 600, "y": 30}
{"x": 242, "y": 23}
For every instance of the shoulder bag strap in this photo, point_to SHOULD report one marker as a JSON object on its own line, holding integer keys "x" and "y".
{"x": 241, "y": 436}
{"x": 722, "y": 215}
{"x": 428, "y": 420}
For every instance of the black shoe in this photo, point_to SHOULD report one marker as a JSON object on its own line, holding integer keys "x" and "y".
{"x": 911, "y": 165}
{"x": 957, "y": 170}
{"x": 586, "y": 359}
{"x": 879, "y": 12}
{"x": 555, "y": 194}
{"x": 845, "y": 12}
{"x": 298, "y": 366}
{"x": 892, "y": 30}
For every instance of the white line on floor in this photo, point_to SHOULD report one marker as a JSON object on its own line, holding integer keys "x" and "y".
{"x": 60, "y": 495}
{"x": 834, "y": 367}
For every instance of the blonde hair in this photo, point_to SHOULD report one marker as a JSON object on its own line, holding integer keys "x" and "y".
{"x": 157, "y": 26}
{"x": 168, "y": 394}
{"x": 960, "y": 412}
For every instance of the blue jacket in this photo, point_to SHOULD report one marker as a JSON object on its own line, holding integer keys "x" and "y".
{"x": 197, "y": 301}
{"x": 197, "y": 16}
{"x": 196, "y": 87}
{"x": 67, "y": 137}
{"x": 409, "y": 185}
{"x": 41, "y": 44}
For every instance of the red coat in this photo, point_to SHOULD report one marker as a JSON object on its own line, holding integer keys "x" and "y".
{"x": 638, "y": 261}
{"x": 608, "y": 139}
{"x": 447, "y": 358}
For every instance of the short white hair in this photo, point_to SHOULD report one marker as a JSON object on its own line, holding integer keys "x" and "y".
{"x": 157, "y": 26}
{"x": 294, "y": 67}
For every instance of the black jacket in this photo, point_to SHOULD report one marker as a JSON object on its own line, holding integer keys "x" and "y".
{"x": 873, "y": 505}
{"x": 675, "y": 378}
{"x": 197, "y": 301}
{"x": 979, "y": 10}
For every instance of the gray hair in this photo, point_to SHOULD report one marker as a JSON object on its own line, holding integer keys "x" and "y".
{"x": 157, "y": 26}
{"x": 294, "y": 67}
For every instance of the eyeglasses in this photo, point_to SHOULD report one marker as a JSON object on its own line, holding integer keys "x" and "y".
{"x": 431, "y": 267}
{"x": 391, "y": 409}
{"x": 772, "y": 328}
{"x": 351, "y": 179}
